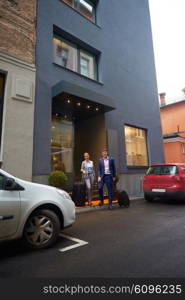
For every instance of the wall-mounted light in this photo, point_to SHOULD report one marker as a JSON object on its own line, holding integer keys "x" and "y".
{"x": 68, "y": 101}
{"x": 88, "y": 106}
{"x": 97, "y": 109}
{"x": 78, "y": 103}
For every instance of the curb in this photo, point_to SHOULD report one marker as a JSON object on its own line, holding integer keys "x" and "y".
{"x": 97, "y": 208}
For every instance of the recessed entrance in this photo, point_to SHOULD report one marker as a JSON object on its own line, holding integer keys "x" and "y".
{"x": 2, "y": 85}
{"x": 78, "y": 126}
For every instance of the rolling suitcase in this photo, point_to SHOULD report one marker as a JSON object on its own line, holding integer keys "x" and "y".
{"x": 79, "y": 193}
{"x": 123, "y": 199}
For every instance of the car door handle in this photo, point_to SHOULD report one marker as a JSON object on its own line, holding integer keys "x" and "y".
{"x": 6, "y": 217}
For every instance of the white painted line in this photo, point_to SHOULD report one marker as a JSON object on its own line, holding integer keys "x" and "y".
{"x": 78, "y": 242}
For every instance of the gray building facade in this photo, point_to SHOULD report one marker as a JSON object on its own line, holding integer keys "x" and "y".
{"x": 95, "y": 88}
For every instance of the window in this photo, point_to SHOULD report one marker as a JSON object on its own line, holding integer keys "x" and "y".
{"x": 84, "y": 66}
{"x": 136, "y": 149}
{"x": 87, "y": 64}
{"x": 162, "y": 170}
{"x": 65, "y": 54}
{"x": 85, "y": 7}
{"x": 73, "y": 58}
{"x": 62, "y": 144}
{"x": 182, "y": 148}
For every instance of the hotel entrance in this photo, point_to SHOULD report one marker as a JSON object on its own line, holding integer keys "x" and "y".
{"x": 78, "y": 126}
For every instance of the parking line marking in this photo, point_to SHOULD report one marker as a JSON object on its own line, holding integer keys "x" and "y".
{"x": 78, "y": 242}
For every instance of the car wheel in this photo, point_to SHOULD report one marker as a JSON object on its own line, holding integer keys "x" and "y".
{"x": 41, "y": 230}
{"x": 148, "y": 198}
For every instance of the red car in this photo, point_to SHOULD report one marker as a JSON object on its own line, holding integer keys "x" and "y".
{"x": 165, "y": 181}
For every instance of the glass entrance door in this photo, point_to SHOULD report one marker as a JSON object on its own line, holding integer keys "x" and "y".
{"x": 62, "y": 144}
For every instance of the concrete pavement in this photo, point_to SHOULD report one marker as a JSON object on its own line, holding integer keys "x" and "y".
{"x": 95, "y": 208}
{"x": 144, "y": 241}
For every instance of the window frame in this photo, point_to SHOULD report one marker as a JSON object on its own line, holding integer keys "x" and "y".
{"x": 146, "y": 143}
{"x": 77, "y": 9}
{"x": 78, "y": 56}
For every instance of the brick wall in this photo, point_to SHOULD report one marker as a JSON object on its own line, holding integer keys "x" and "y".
{"x": 17, "y": 28}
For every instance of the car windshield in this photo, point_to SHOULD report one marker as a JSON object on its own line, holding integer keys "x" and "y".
{"x": 162, "y": 170}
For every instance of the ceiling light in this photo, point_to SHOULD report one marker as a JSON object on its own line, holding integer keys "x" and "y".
{"x": 68, "y": 101}
{"x": 97, "y": 109}
{"x": 78, "y": 103}
{"x": 88, "y": 106}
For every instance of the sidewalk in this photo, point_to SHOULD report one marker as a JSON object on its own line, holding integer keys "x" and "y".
{"x": 85, "y": 209}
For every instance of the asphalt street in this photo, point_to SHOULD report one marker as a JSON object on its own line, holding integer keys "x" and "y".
{"x": 144, "y": 240}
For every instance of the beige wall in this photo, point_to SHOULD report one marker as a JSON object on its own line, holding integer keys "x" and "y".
{"x": 18, "y": 116}
{"x": 17, "y": 58}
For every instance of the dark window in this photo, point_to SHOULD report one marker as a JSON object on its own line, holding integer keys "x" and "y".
{"x": 2, "y": 85}
{"x": 2, "y": 182}
{"x": 183, "y": 167}
{"x": 73, "y": 58}
{"x": 85, "y": 7}
{"x": 162, "y": 170}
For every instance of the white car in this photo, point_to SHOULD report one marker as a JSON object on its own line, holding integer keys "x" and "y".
{"x": 34, "y": 212}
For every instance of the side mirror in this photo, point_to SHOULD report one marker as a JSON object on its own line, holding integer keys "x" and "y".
{"x": 10, "y": 184}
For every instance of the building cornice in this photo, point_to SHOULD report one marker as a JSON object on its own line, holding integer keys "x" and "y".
{"x": 7, "y": 58}
{"x": 172, "y": 140}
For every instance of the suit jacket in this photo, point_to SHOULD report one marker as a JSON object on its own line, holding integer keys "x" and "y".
{"x": 101, "y": 167}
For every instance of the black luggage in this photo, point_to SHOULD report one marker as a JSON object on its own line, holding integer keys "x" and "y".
{"x": 123, "y": 199}
{"x": 79, "y": 193}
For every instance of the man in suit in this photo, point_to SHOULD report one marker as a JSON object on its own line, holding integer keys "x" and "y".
{"x": 106, "y": 175}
